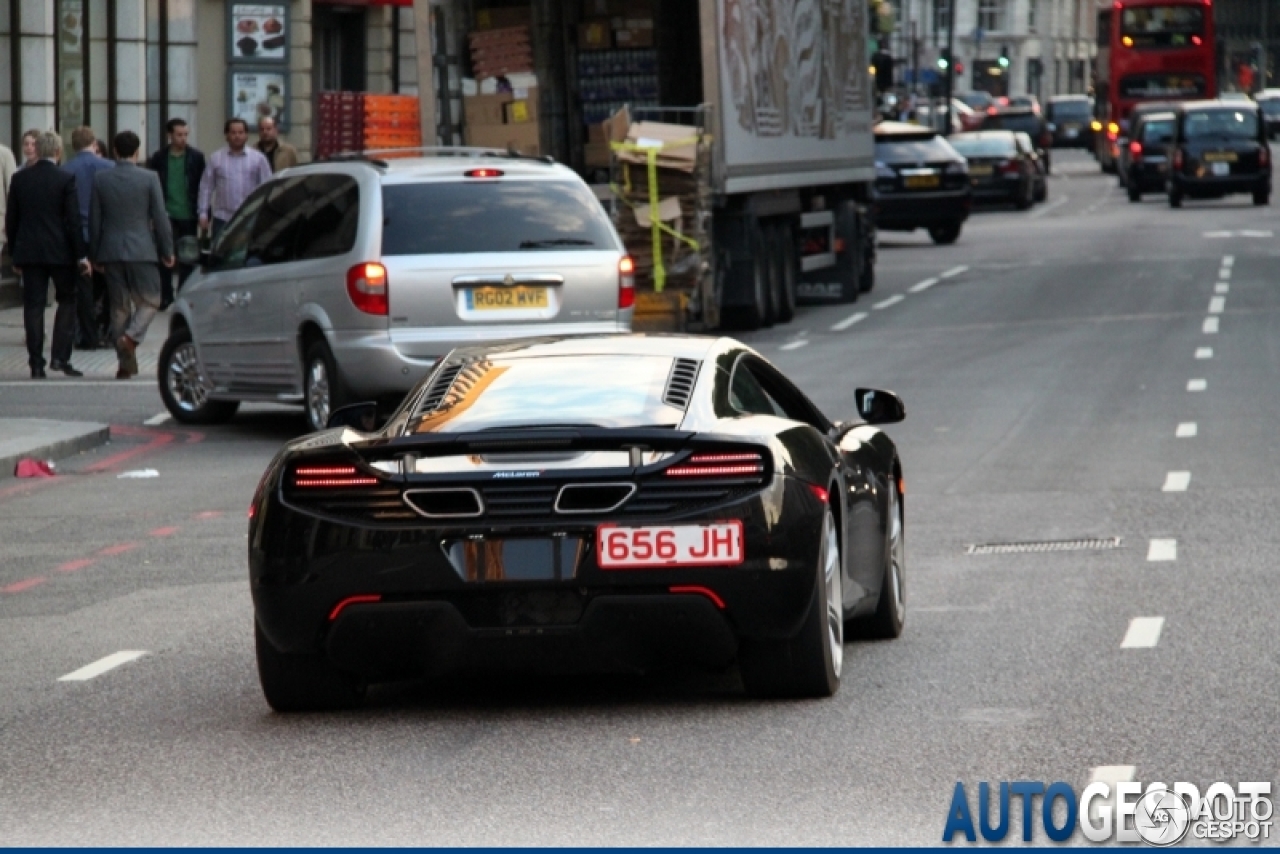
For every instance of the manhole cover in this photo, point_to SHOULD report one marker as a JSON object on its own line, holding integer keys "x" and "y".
{"x": 1043, "y": 546}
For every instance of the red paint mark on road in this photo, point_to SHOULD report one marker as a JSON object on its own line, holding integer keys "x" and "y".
{"x": 165, "y": 532}
{"x": 25, "y": 584}
{"x": 209, "y": 514}
{"x": 74, "y": 565}
{"x": 117, "y": 549}
{"x": 158, "y": 440}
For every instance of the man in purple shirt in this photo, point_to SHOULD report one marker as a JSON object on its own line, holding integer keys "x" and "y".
{"x": 231, "y": 175}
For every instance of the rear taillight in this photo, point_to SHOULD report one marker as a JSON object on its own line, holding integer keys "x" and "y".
{"x": 367, "y": 287}
{"x": 1009, "y": 167}
{"x": 1264, "y": 157}
{"x": 1113, "y": 131}
{"x": 1177, "y": 159}
{"x": 718, "y": 465}
{"x": 626, "y": 282}
{"x": 330, "y": 477}
{"x": 1135, "y": 149}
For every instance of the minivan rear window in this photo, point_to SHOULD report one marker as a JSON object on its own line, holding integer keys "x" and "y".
{"x": 492, "y": 216}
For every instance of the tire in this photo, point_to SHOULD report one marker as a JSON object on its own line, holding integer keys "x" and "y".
{"x": 321, "y": 386}
{"x": 1024, "y": 200}
{"x": 767, "y": 250}
{"x": 1261, "y": 198}
{"x": 867, "y": 276}
{"x": 849, "y": 263}
{"x": 788, "y": 270}
{"x": 1175, "y": 198}
{"x": 1042, "y": 192}
{"x": 1120, "y": 181}
{"x": 1135, "y": 195}
{"x": 809, "y": 664}
{"x": 302, "y": 683}
{"x": 945, "y": 235}
{"x": 891, "y": 609}
{"x": 755, "y": 313}
{"x": 183, "y": 385}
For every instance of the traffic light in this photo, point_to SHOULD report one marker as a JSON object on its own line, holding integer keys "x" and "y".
{"x": 882, "y": 62}
{"x": 944, "y": 59}
{"x": 959, "y": 68}
{"x": 1004, "y": 57}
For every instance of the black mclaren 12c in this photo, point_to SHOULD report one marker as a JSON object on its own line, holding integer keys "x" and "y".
{"x": 613, "y": 503}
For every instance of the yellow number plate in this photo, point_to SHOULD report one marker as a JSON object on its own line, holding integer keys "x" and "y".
{"x": 979, "y": 170}
{"x": 1220, "y": 157}
{"x": 490, "y": 299}
{"x": 921, "y": 182}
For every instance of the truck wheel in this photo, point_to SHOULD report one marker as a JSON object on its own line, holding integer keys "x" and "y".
{"x": 784, "y": 257}
{"x": 849, "y": 262}
{"x": 754, "y": 313}
{"x": 766, "y": 248}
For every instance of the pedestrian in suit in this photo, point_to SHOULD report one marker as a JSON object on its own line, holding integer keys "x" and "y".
{"x": 43, "y": 226}
{"x": 128, "y": 234}
{"x": 92, "y": 288}
{"x": 180, "y": 167}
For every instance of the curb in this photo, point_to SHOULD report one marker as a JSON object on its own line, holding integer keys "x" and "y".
{"x": 94, "y": 437}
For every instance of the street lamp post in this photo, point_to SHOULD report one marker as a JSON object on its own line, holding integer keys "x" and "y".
{"x": 950, "y": 69}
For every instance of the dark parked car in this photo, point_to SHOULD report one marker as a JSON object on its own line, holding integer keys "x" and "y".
{"x": 1269, "y": 101}
{"x": 1071, "y": 117}
{"x": 1144, "y": 163}
{"x": 1219, "y": 148}
{"x": 567, "y": 504}
{"x": 978, "y": 100}
{"x": 1000, "y": 167}
{"x": 1121, "y": 145}
{"x": 1040, "y": 186}
{"x": 1025, "y": 121}
{"x": 921, "y": 182}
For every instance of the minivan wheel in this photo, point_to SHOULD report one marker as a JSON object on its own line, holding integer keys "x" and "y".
{"x": 1261, "y": 198}
{"x": 321, "y": 391}
{"x": 184, "y": 387}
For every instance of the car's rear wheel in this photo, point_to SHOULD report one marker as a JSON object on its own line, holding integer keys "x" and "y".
{"x": 1175, "y": 198}
{"x": 945, "y": 234}
{"x": 785, "y": 257}
{"x": 809, "y": 664}
{"x": 321, "y": 388}
{"x": 302, "y": 683}
{"x": 1024, "y": 199}
{"x": 891, "y": 609}
{"x": 1261, "y": 198}
{"x": 1135, "y": 195}
{"x": 183, "y": 386}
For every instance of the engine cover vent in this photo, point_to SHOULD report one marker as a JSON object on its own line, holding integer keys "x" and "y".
{"x": 684, "y": 373}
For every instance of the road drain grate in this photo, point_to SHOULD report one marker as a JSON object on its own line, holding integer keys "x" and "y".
{"x": 1043, "y": 546}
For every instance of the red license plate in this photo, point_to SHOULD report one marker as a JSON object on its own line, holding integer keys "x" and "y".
{"x": 717, "y": 544}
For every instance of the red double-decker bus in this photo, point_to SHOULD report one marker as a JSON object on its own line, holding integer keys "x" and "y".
{"x": 1149, "y": 50}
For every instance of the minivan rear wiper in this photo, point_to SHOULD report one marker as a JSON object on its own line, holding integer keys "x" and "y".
{"x": 560, "y": 241}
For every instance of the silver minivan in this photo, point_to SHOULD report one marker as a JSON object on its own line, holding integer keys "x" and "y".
{"x": 348, "y": 280}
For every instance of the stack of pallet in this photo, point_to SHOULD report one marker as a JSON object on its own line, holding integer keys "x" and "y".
{"x": 497, "y": 53}
{"x": 391, "y": 121}
{"x": 341, "y": 123}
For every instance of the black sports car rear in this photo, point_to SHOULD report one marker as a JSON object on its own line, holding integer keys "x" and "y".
{"x": 611, "y": 503}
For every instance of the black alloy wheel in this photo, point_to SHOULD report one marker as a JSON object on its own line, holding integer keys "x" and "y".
{"x": 302, "y": 683}
{"x": 184, "y": 388}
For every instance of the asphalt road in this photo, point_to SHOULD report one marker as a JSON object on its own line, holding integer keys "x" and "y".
{"x": 1046, "y": 377}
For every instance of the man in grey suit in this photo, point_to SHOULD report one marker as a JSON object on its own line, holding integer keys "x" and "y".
{"x": 128, "y": 234}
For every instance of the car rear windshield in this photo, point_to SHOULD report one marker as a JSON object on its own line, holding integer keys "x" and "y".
{"x": 1070, "y": 110}
{"x": 1159, "y": 131}
{"x": 1270, "y": 107}
{"x": 1221, "y": 124}
{"x": 550, "y": 391}
{"x": 984, "y": 147}
{"x": 492, "y": 216}
{"x": 913, "y": 150}
{"x": 1026, "y": 122}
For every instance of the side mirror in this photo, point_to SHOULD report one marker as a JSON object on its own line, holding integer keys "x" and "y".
{"x": 362, "y": 417}
{"x": 877, "y": 406}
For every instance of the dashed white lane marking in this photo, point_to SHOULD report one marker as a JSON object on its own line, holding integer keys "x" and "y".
{"x": 1228, "y": 260}
{"x": 954, "y": 271}
{"x": 1204, "y": 352}
{"x": 157, "y": 420}
{"x": 1224, "y": 273}
{"x": 1197, "y": 385}
{"x": 1186, "y": 430}
{"x": 1143, "y": 633}
{"x": 1217, "y": 305}
{"x": 923, "y": 286}
{"x": 1176, "y": 481}
{"x": 849, "y": 321}
{"x": 893, "y": 300}
{"x": 1217, "y": 234}
{"x": 795, "y": 345}
{"x": 1261, "y": 233}
{"x": 1222, "y": 288}
{"x": 102, "y": 665}
{"x": 1210, "y": 326}
{"x": 1062, "y": 200}
{"x": 1162, "y": 550}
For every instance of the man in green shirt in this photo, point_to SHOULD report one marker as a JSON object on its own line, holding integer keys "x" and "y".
{"x": 180, "y": 167}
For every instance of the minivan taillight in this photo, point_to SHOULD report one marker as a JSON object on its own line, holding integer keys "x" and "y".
{"x": 367, "y": 287}
{"x": 626, "y": 282}
{"x": 1264, "y": 157}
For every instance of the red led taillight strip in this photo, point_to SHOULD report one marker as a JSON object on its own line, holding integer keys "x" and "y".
{"x": 330, "y": 477}
{"x": 718, "y": 465}
{"x": 367, "y": 598}
{"x": 699, "y": 591}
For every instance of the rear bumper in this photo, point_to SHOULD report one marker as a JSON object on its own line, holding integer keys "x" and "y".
{"x": 1148, "y": 178}
{"x": 378, "y": 363}
{"x": 922, "y": 210}
{"x": 1222, "y": 186}
{"x": 1000, "y": 189}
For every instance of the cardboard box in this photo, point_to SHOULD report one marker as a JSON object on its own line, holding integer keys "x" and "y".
{"x": 630, "y": 38}
{"x": 596, "y": 154}
{"x": 521, "y": 110}
{"x": 507, "y": 16}
{"x": 595, "y": 133}
{"x": 492, "y": 109}
{"x": 595, "y": 35}
{"x": 524, "y": 138}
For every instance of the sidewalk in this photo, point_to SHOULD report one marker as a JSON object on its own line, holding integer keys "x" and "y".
{"x": 42, "y": 439}
{"x": 97, "y": 364}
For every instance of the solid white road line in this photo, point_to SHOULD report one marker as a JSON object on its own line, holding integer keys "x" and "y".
{"x": 1197, "y": 385}
{"x": 954, "y": 271}
{"x": 1144, "y": 633}
{"x": 1186, "y": 430}
{"x": 1210, "y": 326}
{"x": 923, "y": 286}
{"x": 1217, "y": 305}
{"x": 1204, "y": 352}
{"x": 1162, "y": 550}
{"x": 157, "y": 420}
{"x": 1228, "y": 260}
{"x": 795, "y": 345}
{"x": 1222, "y": 288}
{"x": 102, "y": 665}
{"x": 893, "y": 300}
{"x": 849, "y": 321}
{"x": 1176, "y": 481}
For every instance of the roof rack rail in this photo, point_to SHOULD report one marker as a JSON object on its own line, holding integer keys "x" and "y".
{"x": 353, "y": 157}
{"x": 380, "y": 156}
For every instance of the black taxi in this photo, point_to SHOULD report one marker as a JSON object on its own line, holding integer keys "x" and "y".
{"x": 921, "y": 182}
{"x": 1219, "y": 148}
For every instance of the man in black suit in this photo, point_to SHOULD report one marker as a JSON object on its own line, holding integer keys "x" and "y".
{"x": 46, "y": 242}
